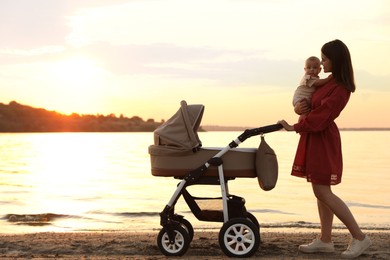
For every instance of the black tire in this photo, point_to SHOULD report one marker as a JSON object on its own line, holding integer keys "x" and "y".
{"x": 179, "y": 247}
{"x": 252, "y": 218}
{"x": 239, "y": 237}
{"x": 187, "y": 226}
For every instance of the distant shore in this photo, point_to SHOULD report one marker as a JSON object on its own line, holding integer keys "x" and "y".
{"x": 142, "y": 245}
{"x": 19, "y": 118}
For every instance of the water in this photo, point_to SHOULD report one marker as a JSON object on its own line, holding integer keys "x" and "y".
{"x": 102, "y": 182}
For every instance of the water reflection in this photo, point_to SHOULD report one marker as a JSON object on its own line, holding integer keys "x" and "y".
{"x": 102, "y": 181}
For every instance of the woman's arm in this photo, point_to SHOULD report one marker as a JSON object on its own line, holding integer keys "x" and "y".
{"x": 322, "y": 116}
{"x": 286, "y": 126}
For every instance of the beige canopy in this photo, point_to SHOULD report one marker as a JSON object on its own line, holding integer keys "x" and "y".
{"x": 179, "y": 134}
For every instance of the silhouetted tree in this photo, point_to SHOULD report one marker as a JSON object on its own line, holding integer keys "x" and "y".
{"x": 16, "y": 117}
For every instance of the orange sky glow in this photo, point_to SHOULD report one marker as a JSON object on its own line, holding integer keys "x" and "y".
{"x": 241, "y": 59}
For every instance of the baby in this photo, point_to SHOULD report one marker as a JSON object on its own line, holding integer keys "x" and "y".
{"x": 309, "y": 81}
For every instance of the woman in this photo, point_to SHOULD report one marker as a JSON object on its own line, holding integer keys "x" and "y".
{"x": 319, "y": 158}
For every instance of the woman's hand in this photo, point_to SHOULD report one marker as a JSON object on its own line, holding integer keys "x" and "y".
{"x": 286, "y": 125}
{"x": 302, "y": 107}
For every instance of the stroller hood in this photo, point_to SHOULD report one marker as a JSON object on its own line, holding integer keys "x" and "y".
{"x": 180, "y": 132}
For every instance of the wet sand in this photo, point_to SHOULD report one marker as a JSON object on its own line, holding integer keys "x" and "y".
{"x": 137, "y": 245}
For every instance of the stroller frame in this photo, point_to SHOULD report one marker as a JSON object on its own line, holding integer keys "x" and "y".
{"x": 239, "y": 235}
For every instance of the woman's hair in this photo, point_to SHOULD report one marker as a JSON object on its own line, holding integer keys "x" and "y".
{"x": 337, "y": 52}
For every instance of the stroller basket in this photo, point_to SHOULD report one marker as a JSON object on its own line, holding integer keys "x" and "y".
{"x": 211, "y": 209}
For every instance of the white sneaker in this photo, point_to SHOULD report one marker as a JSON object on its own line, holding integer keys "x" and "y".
{"x": 356, "y": 248}
{"x": 317, "y": 246}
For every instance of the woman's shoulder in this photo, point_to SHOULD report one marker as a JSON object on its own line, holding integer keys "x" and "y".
{"x": 334, "y": 85}
{"x": 330, "y": 88}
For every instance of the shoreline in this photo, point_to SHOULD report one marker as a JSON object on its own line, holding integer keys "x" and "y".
{"x": 142, "y": 245}
{"x": 38, "y": 227}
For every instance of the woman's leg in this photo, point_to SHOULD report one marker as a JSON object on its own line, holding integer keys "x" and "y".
{"x": 334, "y": 204}
{"x": 326, "y": 220}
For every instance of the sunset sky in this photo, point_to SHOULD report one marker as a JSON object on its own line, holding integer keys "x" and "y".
{"x": 242, "y": 59}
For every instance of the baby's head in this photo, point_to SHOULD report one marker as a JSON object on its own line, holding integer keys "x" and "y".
{"x": 313, "y": 66}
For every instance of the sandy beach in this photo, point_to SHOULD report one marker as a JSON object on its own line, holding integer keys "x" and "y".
{"x": 142, "y": 245}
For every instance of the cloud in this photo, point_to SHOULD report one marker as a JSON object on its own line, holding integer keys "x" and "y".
{"x": 32, "y": 24}
{"x": 368, "y": 81}
{"x": 29, "y": 24}
{"x": 150, "y": 38}
{"x": 227, "y": 68}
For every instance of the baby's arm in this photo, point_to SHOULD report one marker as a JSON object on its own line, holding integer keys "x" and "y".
{"x": 320, "y": 82}
{"x": 302, "y": 107}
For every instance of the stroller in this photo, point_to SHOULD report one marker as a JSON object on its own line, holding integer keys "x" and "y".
{"x": 177, "y": 152}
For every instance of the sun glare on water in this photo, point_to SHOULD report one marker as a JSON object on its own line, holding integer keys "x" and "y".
{"x": 64, "y": 167}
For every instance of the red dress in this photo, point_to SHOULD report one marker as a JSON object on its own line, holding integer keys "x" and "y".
{"x": 319, "y": 157}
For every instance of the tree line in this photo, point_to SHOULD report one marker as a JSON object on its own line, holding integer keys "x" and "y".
{"x": 16, "y": 117}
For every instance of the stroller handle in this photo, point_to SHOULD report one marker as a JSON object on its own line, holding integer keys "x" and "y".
{"x": 258, "y": 131}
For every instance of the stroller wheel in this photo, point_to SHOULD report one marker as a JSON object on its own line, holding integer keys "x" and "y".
{"x": 239, "y": 237}
{"x": 187, "y": 226}
{"x": 179, "y": 247}
{"x": 252, "y": 218}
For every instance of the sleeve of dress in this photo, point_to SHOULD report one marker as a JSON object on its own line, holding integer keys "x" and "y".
{"x": 322, "y": 116}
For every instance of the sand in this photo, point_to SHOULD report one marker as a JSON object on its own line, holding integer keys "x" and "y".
{"x": 142, "y": 245}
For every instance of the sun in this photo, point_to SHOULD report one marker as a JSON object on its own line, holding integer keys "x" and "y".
{"x": 78, "y": 83}
{"x": 77, "y": 73}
